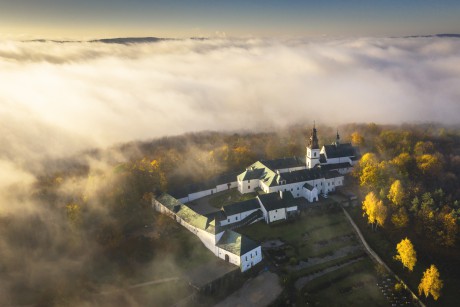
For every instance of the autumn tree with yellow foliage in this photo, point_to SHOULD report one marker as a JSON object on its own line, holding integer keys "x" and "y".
{"x": 357, "y": 139}
{"x": 396, "y": 194}
{"x": 431, "y": 283}
{"x": 406, "y": 254}
{"x": 375, "y": 210}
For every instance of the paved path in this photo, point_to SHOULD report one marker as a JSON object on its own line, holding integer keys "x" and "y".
{"x": 377, "y": 258}
{"x": 256, "y": 292}
{"x": 154, "y": 282}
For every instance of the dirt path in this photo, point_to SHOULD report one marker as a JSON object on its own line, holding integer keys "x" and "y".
{"x": 377, "y": 258}
{"x": 259, "y": 291}
{"x": 301, "y": 282}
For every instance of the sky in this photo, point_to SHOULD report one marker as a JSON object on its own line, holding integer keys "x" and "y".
{"x": 88, "y": 19}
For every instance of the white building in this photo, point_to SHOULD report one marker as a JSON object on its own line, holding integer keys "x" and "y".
{"x": 278, "y": 206}
{"x": 321, "y": 172}
{"x": 282, "y": 184}
{"x": 224, "y": 243}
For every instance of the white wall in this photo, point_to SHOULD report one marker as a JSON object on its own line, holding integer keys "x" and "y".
{"x": 285, "y": 170}
{"x": 251, "y": 258}
{"x": 276, "y": 215}
{"x": 312, "y": 157}
{"x": 224, "y": 187}
{"x": 311, "y": 196}
{"x": 219, "y": 188}
{"x": 236, "y": 217}
{"x": 248, "y": 186}
{"x": 221, "y": 253}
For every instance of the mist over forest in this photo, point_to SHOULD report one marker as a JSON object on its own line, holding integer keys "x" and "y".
{"x": 75, "y": 181}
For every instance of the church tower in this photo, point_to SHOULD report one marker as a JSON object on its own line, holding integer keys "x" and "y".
{"x": 312, "y": 158}
{"x": 337, "y": 139}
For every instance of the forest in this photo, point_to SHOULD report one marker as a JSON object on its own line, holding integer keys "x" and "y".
{"x": 408, "y": 180}
{"x": 84, "y": 214}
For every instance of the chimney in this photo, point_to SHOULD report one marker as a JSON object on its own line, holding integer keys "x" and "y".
{"x": 281, "y": 194}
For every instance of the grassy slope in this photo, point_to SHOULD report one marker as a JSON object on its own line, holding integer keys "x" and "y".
{"x": 385, "y": 246}
{"x": 315, "y": 235}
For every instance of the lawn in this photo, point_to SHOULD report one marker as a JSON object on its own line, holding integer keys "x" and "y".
{"x": 311, "y": 228}
{"x": 353, "y": 285}
{"x": 228, "y": 197}
{"x": 324, "y": 239}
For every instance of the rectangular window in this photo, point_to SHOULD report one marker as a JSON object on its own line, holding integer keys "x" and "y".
{"x": 236, "y": 218}
{"x": 246, "y": 258}
{"x": 256, "y": 253}
{"x": 297, "y": 188}
{"x": 249, "y": 186}
{"x": 228, "y": 220}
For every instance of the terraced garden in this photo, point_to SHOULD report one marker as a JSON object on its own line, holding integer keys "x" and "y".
{"x": 320, "y": 260}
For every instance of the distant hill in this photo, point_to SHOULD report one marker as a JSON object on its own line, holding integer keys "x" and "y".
{"x": 129, "y": 40}
{"x": 444, "y": 35}
{"x": 116, "y": 40}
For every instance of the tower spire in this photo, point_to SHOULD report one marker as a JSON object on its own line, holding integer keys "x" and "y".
{"x": 313, "y": 144}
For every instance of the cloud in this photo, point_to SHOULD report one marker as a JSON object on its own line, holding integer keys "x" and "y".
{"x": 98, "y": 94}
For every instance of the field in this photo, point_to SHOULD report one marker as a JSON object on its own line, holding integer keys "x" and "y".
{"x": 319, "y": 259}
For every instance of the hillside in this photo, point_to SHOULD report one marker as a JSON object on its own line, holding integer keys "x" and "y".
{"x": 81, "y": 227}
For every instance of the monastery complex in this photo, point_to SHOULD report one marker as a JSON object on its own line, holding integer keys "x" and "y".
{"x": 282, "y": 186}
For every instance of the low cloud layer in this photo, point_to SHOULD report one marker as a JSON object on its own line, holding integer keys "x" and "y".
{"x": 60, "y": 97}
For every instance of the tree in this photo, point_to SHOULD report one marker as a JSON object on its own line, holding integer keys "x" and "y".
{"x": 375, "y": 210}
{"x": 369, "y": 171}
{"x": 429, "y": 164}
{"x": 406, "y": 254}
{"x": 431, "y": 283}
{"x": 403, "y": 164}
{"x": 449, "y": 229}
{"x": 396, "y": 194}
{"x": 400, "y": 218}
{"x": 381, "y": 213}
{"x": 357, "y": 139}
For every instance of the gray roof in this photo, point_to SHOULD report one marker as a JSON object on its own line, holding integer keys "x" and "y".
{"x": 241, "y": 206}
{"x": 283, "y": 163}
{"x": 250, "y": 174}
{"x": 273, "y": 201}
{"x": 322, "y": 158}
{"x": 334, "y": 166}
{"x": 187, "y": 214}
{"x": 332, "y": 174}
{"x": 217, "y": 215}
{"x": 183, "y": 191}
{"x": 302, "y": 175}
{"x": 339, "y": 150}
{"x": 236, "y": 243}
{"x": 169, "y": 202}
